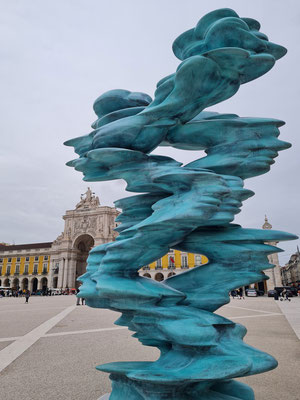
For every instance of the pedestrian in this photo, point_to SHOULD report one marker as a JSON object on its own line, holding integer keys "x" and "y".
{"x": 78, "y": 298}
{"x": 83, "y": 301}
{"x": 287, "y": 295}
{"x": 281, "y": 294}
{"x": 27, "y": 295}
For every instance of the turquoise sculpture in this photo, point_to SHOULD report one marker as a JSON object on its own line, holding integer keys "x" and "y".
{"x": 187, "y": 207}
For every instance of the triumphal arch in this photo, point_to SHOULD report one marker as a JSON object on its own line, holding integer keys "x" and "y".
{"x": 88, "y": 225}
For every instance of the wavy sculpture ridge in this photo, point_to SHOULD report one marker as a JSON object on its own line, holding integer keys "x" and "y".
{"x": 188, "y": 207}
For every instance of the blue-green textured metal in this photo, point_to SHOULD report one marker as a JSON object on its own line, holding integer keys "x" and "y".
{"x": 187, "y": 207}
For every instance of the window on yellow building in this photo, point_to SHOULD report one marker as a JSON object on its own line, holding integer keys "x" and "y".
{"x": 8, "y": 270}
{"x": 159, "y": 263}
{"x": 198, "y": 260}
{"x": 171, "y": 261}
{"x": 17, "y": 270}
{"x": 35, "y": 269}
{"x": 27, "y": 258}
{"x": 184, "y": 262}
{"x": 45, "y": 267}
{"x": 18, "y": 259}
{"x": 9, "y": 259}
{"x": 26, "y": 268}
{"x": 36, "y": 258}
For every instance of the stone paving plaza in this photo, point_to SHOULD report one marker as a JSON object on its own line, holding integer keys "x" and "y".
{"x": 50, "y": 347}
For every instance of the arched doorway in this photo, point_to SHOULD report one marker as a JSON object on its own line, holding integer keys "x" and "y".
{"x": 261, "y": 286}
{"x": 171, "y": 274}
{"x": 15, "y": 284}
{"x": 6, "y": 282}
{"x": 0, "y": 282}
{"x": 82, "y": 245}
{"x": 55, "y": 280}
{"x": 44, "y": 284}
{"x": 34, "y": 285}
{"x": 147, "y": 275}
{"x": 24, "y": 285}
{"x": 159, "y": 277}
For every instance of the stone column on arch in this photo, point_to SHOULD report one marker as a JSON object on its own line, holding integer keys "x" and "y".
{"x": 61, "y": 272}
{"x": 65, "y": 273}
{"x": 50, "y": 274}
{"x": 71, "y": 279}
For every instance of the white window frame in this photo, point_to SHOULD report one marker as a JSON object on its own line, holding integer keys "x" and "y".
{"x": 184, "y": 261}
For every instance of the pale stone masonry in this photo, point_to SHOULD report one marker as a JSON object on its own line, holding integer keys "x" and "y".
{"x": 273, "y": 273}
{"x": 291, "y": 271}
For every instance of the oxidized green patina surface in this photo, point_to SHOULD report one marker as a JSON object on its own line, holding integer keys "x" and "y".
{"x": 187, "y": 207}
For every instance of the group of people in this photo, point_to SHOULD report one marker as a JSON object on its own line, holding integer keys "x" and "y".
{"x": 237, "y": 293}
{"x": 16, "y": 293}
{"x": 12, "y": 293}
{"x": 284, "y": 295}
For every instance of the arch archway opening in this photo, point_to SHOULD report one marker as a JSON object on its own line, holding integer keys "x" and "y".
{"x": 159, "y": 277}
{"x": 6, "y": 282}
{"x": 24, "y": 285}
{"x": 44, "y": 284}
{"x": 146, "y": 275}
{"x": 171, "y": 274}
{"x": 15, "y": 284}
{"x": 82, "y": 245}
{"x": 34, "y": 285}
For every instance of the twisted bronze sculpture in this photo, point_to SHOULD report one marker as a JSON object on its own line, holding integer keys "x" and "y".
{"x": 186, "y": 207}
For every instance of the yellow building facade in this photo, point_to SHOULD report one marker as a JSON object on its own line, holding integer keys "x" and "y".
{"x": 25, "y": 266}
{"x": 173, "y": 263}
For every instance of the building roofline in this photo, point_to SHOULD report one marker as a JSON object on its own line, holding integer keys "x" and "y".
{"x": 25, "y": 246}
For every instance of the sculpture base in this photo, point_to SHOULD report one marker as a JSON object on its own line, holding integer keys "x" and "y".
{"x": 104, "y": 397}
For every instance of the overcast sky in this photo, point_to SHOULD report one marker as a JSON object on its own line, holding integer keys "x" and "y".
{"x": 58, "y": 56}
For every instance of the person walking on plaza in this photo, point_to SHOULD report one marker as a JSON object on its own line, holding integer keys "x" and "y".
{"x": 27, "y": 295}
{"x": 78, "y": 298}
{"x": 287, "y": 295}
